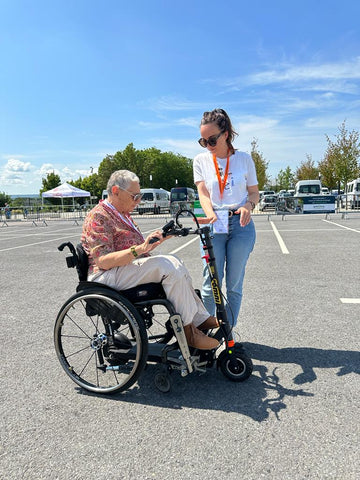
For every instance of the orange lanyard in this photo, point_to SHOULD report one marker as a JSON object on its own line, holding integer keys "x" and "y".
{"x": 222, "y": 183}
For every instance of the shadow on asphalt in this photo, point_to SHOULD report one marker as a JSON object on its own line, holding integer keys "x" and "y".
{"x": 258, "y": 397}
{"x": 308, "y": 359}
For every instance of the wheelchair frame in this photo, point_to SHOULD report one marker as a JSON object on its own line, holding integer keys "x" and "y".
{"x": 104, "y": 338}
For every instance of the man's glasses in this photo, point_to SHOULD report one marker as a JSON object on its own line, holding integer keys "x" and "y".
{"x": 135, "y": 196}
{"x": 211, "y": 141}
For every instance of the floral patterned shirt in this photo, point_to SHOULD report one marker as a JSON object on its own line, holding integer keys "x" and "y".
{"x": 105, "y": 230}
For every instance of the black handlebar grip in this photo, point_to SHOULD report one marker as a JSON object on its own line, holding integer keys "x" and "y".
{"x": 154, "y": 239}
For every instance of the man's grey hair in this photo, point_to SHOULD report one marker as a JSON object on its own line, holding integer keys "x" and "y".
{"x": 121, "y": 178}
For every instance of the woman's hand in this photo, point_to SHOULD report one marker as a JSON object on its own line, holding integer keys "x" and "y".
{"x": 152, "y": 241}
{"x": 206, "y": 220}
{"x": 245, "y": 215}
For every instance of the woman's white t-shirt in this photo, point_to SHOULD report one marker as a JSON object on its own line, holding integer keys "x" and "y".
{"x": 242, "y": 174}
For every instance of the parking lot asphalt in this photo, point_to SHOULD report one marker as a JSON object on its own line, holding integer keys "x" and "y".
{"x": 296, "y": 417}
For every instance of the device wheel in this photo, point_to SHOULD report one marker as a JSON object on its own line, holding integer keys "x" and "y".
{"x": 162, "y": 379}
{"x": 236, "y": 366}
{"x": 101, "y": 341}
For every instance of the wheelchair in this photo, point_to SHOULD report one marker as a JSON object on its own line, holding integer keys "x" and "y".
{"x": 104, "y": 338}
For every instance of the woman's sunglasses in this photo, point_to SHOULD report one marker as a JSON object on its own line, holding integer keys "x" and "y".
{"x": 211, "y": 141}
{"x": 135, "y": 196}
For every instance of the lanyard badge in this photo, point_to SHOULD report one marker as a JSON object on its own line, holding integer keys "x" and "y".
{"x": 222, "y": 183}
{"x": 222, "y": 223}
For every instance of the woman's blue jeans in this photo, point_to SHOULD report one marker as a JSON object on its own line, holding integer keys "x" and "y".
{"x": 231, "y": 252}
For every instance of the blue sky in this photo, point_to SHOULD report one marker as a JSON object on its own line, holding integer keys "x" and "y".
{"x": 82, "y": 79}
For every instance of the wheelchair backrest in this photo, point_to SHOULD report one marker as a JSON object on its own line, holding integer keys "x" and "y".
{"x": 78, "y": 259}
{"x": 83, "y": 263}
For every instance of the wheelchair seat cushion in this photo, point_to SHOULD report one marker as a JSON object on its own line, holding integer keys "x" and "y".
{"x": 140, "y": 293}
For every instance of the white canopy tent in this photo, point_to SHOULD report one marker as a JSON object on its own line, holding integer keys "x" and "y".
{"x": 65, "y": 191}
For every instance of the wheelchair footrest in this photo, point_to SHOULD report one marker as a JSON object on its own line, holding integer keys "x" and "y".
{"x": 180, "y": 336}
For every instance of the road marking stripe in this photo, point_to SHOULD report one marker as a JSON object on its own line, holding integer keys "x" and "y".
{"x": 284, "y": 250}
{"x": 342, "y": 226}
{"x": 350, "y": 300}
{"x": 36, "y": 243}
{"x": 184, "y": 246}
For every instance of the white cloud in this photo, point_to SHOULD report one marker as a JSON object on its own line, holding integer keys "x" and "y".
{"x": 172, "y": 103}
{"x": 310, "y": 72}
{"x": 47, "y": 168}
{"x": 15, "y": 165}
{"x": 8, "y": 178}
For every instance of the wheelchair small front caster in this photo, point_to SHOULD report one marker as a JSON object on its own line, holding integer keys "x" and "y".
{"x": 162, "y": 379}
{"x": 235, "y": 364}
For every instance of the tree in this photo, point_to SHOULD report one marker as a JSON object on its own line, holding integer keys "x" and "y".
{"x": 4, "y": 199}
{"x": 51, "y": 181}
{"x": 307, "y": 170}
{"x": 106, "y": 168}
{"x": 154, "y": 168}
{"x": 261, "y": 165}
{"x": 327, "y": 171}
{"x": 91, "y": 184}
{"x": 285, "y": 179}
{"x": 344, "y": 154}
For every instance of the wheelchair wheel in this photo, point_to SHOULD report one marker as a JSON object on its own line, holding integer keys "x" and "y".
{"x": 235, "y": 366}
{"x": 162, "y": 379}
{"x": 101, "y": 341}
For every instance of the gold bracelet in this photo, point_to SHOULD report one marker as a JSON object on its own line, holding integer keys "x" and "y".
{"x": 133, "y": 251}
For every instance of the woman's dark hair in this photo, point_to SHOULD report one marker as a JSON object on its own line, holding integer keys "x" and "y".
{"x": 222, "y": 120}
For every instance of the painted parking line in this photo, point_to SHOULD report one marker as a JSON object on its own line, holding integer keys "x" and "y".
{"x": 342, "y": 226}
{"x": 184, "y": 246}
{"x": 350, "y": 300}
{"x": 35, "y": 243}
{"x": 284, "y": 250}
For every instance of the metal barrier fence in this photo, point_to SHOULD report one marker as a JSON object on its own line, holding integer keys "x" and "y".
{"x": 41, "y": 216}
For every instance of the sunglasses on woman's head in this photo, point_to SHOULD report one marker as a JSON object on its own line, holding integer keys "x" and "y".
{"x": 211, "y": 141}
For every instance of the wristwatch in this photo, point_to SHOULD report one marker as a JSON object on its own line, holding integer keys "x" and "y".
{"x": 133, "y": 251}
{"x": 252, "y": 204}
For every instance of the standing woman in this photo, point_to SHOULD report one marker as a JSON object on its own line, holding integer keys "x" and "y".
{"x": 228, "y": 192}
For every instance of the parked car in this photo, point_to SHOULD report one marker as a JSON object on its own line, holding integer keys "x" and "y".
{"x": 268, "y": 202}
{"x": 262, "y": 193}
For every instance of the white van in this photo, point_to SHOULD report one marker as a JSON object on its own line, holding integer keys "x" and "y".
{"x": 305, "y": 188}
{"x": 154, "y": 200}
{"x": 104, "y": 195}
{"x": 352, "y": 194}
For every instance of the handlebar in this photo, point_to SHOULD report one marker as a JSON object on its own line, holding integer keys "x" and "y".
{"x": 174, "y": 227}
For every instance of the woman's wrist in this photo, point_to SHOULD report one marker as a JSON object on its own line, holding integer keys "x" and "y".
{"x": 133, "y": 251}
{"x": 252, "y": 204}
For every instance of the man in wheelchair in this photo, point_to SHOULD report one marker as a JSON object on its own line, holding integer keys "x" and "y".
{"x": 119, "y": 256}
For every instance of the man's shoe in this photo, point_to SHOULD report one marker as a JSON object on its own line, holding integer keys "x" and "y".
{"x": 198, "y": 339}
{"x": 211, "y": 322}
